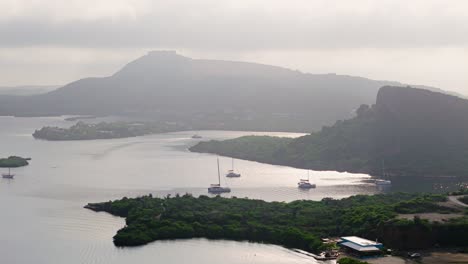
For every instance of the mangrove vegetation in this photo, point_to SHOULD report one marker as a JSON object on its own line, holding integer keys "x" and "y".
{"x": 13, "y": 162}
{"x": 298, "y": 224}
{"x": 106, "y": 130}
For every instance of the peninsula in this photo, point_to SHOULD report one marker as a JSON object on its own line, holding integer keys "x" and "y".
{"x": 105, "y": 130}
{"x": 298, "y": 224}
{"x": 410, "y": 132}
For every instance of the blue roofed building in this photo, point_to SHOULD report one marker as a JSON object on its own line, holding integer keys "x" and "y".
{"x": 360, "y": 246}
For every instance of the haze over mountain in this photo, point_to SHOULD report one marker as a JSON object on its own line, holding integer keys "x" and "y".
{"x": 208, "y": 94}
{"x": 27, "y": 89}
{"x": 409, "y": 132}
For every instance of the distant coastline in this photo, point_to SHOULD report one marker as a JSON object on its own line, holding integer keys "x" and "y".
{"x": 105, "y": 130}
{"x": 76, "y": 118}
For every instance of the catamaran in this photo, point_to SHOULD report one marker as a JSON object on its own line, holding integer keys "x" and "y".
{"x": 231, "y": 173}
{"x": 8, "y": 175}
{"x": 383, "y": 182}
{"x": 305, "y": 184}
{"x": 380, "y": 182}
{"x": 216, "y": 188}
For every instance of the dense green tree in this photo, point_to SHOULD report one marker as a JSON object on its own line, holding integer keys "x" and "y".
{"x": 106, "y": 130}
{"x": 297, "y": 224}
{"x": 13, "y": 162}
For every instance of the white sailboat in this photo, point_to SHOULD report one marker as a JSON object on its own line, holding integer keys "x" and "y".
{"x": 383, "y": 182}
{"x": 8, "y": 175}
{"x": 380, "y": 182}
{"x": 216, "y": 188}
{"x": 305, "y": 184}
{"x": 231, "y": 173}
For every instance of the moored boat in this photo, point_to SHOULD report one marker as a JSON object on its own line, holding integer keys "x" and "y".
{"x": 231, "y": 173}
{"x": 196, "y": 136}
{"x": 216, "y": 188}
{"x": 383, "y": 181}
{"x": 380, "y": 182}
{"x": 305, "y": 184}
{"x": 8, "y": 175}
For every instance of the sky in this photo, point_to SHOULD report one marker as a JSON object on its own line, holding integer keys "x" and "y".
{"x": 425, "y": 42}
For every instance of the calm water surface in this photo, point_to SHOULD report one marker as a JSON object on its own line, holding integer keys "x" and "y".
{"x": 42, "y": 216}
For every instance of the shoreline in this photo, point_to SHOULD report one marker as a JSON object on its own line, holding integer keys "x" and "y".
{"x": 297, "y": 224}
{"x": 373, "y": 175}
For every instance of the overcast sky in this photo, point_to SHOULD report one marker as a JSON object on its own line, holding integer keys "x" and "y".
{"x": 417, "y": 42}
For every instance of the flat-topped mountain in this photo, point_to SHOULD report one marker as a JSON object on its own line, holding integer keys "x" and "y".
{"x": 207, "y": 94}
{"x": 408, "y": 131}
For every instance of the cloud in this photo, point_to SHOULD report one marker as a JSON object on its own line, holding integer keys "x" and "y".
{"x": 72, "y": 10}
{"x": 418, "y": 41}
{"x": 235, "y": 25}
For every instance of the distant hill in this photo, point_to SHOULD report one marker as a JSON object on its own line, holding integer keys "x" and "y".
{"x": 207, "y": 94}
{"x": 27, "y": 89}
{"x": 408, "y": 131}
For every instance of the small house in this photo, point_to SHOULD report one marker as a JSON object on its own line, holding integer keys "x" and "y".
{"x": 360, "y": 246}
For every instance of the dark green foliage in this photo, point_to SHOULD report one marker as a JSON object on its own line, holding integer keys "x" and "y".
{"x": 104, "y": 130}
{"x": 464, "y": 199}
{"x": 461, "y": 191}
{"x": 297, "y": 224}
{"x": 13, "y": 162}
{"x": 347, "y": 146}
{"x": 259, "y": 148}
{"x": 422, "y": 204}
{"x": 419, "y": 233}
{"x": 414, "y": 132}
{"x": 351, "y": 261}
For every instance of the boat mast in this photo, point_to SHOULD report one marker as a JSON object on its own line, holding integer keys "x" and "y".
{"x": 232, "y": 163}
{"x": 383, "y": 168}
{"x": 219, "y": 177}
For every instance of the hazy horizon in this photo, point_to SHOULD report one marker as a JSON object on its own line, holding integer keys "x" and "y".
{"x": 241, "y": 131}
{"x": 421, "y": 42}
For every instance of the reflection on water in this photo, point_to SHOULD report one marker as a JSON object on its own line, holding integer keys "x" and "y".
{"x": 42, "y": 210}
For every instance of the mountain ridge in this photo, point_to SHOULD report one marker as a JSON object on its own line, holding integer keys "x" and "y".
{"x": 208, "y": 94}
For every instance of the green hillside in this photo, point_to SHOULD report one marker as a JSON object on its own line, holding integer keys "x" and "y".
{"x": 408, "y": 131}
